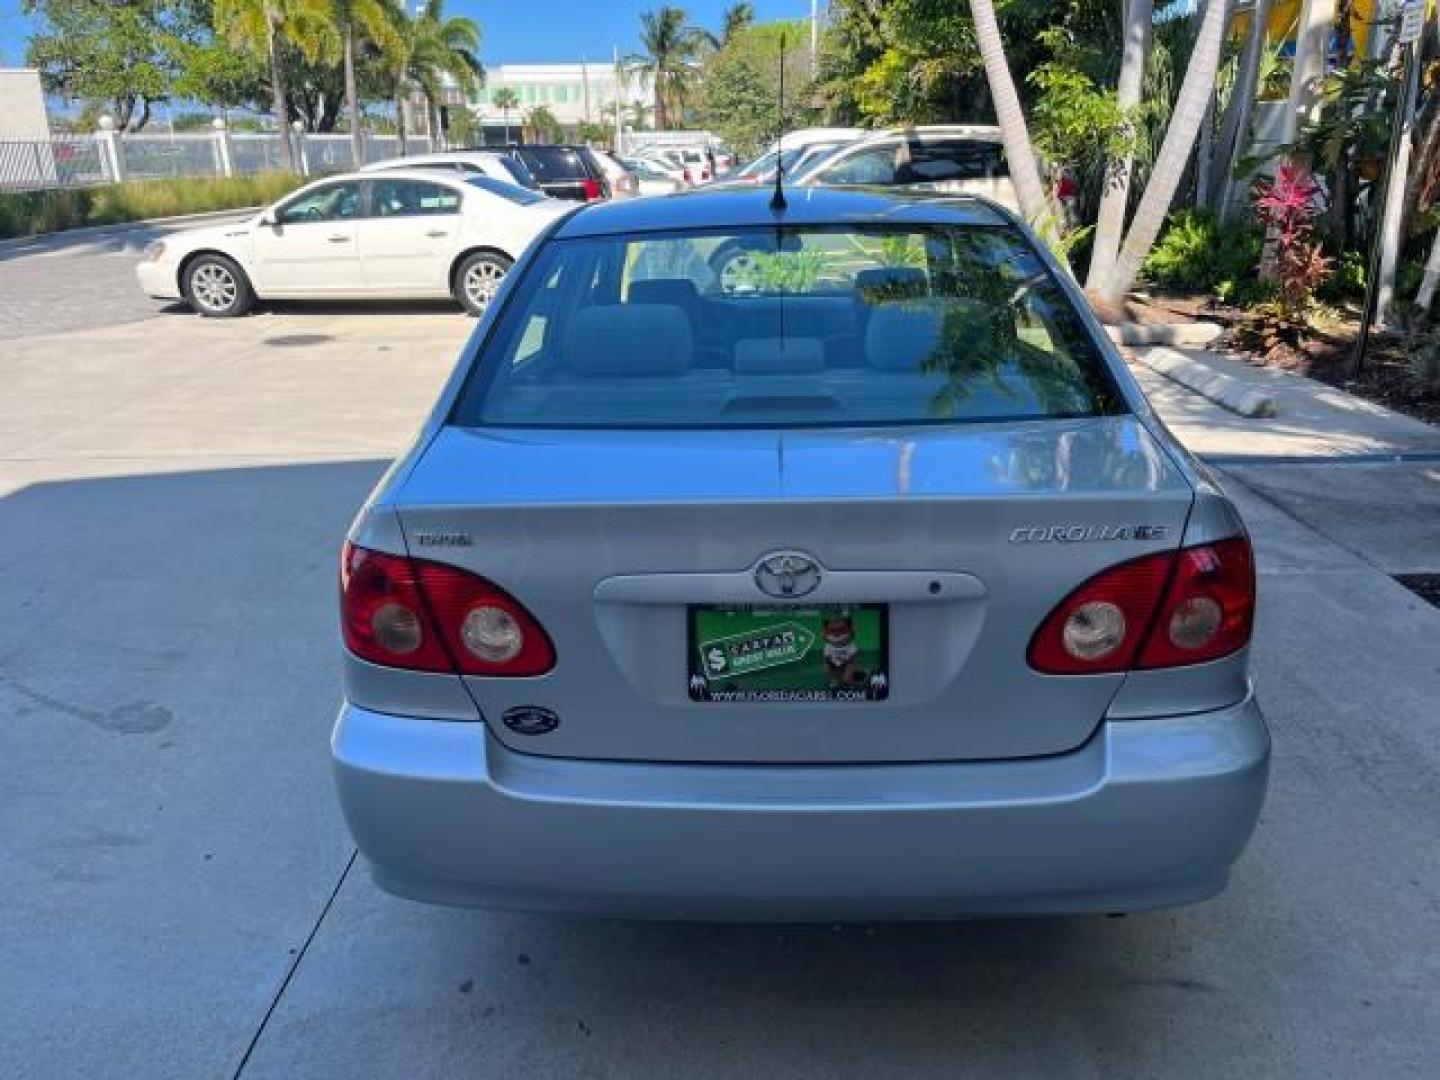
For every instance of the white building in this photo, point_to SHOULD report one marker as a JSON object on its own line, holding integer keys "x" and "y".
{"x": 574, "y": 94}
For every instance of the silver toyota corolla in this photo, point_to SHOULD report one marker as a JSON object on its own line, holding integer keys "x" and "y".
{"x": 816, "y": 561}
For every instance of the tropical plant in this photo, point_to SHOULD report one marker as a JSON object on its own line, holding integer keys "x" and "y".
{"x": 1191, "y": 106}
{"x": 354, "y": 22}
{"x": 505, "y": 99}
{"x": 264, "y": 26}
{"x": 428, "y": 46}
{"x": 740, "y": 97}
{"x": 735, "y": 18}
{"x": 542, "y": 126}
{"x": 1115, "y": 198}
{"x": 1288, "y": 207}
{"x": 671, "y": 47}
{"x": 1200, "y": 253}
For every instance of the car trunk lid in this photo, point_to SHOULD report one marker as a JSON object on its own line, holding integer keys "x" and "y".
{"x": 968, "y": 535}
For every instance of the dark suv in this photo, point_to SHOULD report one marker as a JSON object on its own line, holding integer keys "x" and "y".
{"x": 564, "y": 172}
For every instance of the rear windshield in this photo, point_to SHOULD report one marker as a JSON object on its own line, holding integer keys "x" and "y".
{"x": 787, "y": 327}
{"x": 517, "y": 170}
{"x": 549, "y": 164}
{"x": 513, "y": 192}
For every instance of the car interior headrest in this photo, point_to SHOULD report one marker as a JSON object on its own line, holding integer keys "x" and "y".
{"x": 901, "y": 336}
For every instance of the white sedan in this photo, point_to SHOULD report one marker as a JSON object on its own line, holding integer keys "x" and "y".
{"x": 400, "y": 234}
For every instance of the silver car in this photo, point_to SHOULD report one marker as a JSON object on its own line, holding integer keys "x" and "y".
{"x": 857, "y": 582}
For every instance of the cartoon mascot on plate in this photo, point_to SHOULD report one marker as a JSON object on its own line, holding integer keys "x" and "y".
{"x": 841, "y": 651}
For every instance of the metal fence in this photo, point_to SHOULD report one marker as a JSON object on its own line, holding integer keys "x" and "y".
{"x": 60, "y": 161}
{"x": 109, "y": 156}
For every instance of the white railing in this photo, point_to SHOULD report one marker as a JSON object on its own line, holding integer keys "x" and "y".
{"x": 108, "y": 156}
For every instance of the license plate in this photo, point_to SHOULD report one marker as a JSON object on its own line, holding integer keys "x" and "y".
{"x": 827, "y": 653}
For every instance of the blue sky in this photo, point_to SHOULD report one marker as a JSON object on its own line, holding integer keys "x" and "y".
{"x": 536, "y": 31}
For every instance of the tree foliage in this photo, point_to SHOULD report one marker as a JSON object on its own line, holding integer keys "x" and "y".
{"x": 118, "y": 54}
{"x": 741, "y": 99}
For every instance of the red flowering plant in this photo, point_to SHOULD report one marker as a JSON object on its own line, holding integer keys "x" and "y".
{"x": 1288, "y": 207}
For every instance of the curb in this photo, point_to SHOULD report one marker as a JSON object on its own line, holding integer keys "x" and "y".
{"x": 93, "y": 231}
{"x": 1195, "y": 334}
{"x": 1224, "y": 390}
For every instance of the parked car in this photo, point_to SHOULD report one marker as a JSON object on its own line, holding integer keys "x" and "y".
{"x": 497, "y": 166}
{"x": 565, "y": 172}
{"x": 669, "y": 165}
{"x": 962, "y": 160}
{"x": 863, "y": 585}
{"x": 793, "y": 150}
{"x": 623, "y": 183}
{"x": 653, "y": 180}
{"x": 399, "y": 233}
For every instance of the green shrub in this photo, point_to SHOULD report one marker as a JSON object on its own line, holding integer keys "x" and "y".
{"x": 31, "y": 213}
{"x": 1199, "y": 254}
{"x": 1347, "y": 279}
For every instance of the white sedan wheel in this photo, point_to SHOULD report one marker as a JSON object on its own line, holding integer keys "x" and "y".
{"x": 480, "y": 278}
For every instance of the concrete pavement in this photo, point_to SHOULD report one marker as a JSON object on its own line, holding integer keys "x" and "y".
{"x": 180, "y": 897}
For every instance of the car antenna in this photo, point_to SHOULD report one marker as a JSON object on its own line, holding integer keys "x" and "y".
{"x": 777, "y": 200}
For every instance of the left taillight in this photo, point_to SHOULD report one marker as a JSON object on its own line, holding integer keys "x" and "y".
{"x": 426, "y": 616}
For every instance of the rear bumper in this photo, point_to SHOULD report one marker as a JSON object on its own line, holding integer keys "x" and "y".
{"x": 1149, "y": 813}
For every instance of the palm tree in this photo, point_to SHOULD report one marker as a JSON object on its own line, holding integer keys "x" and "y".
{"x": 1170, "y": 163}
{"x": 505, "y": 99}
{"x": 670, "y": 44}
{"x": 1110, "y": 224}
{"x": 352, "y": 20}
{"x": 735, "y": 19}
{"x": 1019, "y": 151}
{"x": 261, "y": 25}
{"x": 428, "y": 47}
{"x": 1235, "y": 129}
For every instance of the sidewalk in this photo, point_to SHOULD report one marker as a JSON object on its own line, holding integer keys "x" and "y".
{"x": 1312, "y": 421}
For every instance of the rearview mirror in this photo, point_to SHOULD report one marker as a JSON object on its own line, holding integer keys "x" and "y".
{"x": 268, "y": 219}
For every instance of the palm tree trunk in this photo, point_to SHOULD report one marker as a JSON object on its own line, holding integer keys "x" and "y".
{"x": 352, "y": 100}
{"x": 1312, "y": 40}
{"x": 659, "y": 99}
{"x": 277, "y": 96}
{"x": 1235, "y": 131}
{"x": 1024, "y": 169}
{"x": 400, "y": 143}
{"x": 1174, "y": 153}
{"x": 1110, "y": 225}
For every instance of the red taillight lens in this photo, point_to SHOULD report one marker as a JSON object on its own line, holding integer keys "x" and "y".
{"x": 1163, "y": 610}
{"x": 425, "y": 616}
{"x": 686, "y": 174}
{"x": 1209, "y": 609}
{"x": 591, "y": 189}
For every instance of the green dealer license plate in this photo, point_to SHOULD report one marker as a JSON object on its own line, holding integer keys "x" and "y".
{"x": 782, "y": 653}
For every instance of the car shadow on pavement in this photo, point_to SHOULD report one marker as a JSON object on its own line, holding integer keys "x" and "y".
{"x": 327, "y": 308}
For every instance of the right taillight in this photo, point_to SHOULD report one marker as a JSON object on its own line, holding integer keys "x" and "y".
{"x": 1158, "y": 611}
{"x": 1209, "y": 608}
{"x": 591, "y": 189}
{"x": 425, "y": 616}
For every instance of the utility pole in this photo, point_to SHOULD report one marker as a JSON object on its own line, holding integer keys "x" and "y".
{"x": 585, "y": 86}
{"x": 619, "y": 105}
{"x": 814, "y": 39}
